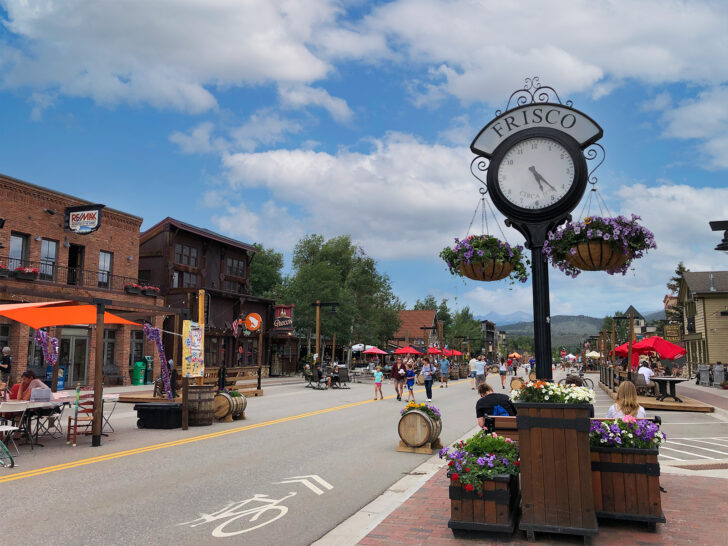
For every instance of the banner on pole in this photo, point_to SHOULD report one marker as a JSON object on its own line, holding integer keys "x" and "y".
{"x": 193, "y": 345}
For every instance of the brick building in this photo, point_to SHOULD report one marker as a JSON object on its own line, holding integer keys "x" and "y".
{"x": 68, "y": 265}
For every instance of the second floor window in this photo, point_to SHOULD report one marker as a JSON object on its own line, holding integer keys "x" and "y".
{"x": 105, "y": 263}
{"x": 185, "y": 255}
{"x": 182, "y": 279}
{"x": 235, "y": 267}
{"x": 234, "y": 287}
{"x": 18, "y": 250}
{"x": 48, "y": 259}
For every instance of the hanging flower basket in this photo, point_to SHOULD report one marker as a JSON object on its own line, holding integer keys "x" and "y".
{"x": 486, "y": 258}
{"x": 598, "y": 244}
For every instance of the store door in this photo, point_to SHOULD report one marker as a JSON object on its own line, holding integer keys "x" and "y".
{"x": 75, "y": 264}
{"x": 74, "y": 355}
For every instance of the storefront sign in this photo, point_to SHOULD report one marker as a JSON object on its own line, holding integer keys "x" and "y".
{"x": 83, "y": 219}
{"x": 252, "y": 321}
{"x": 283, "y": 317}
{"x": 193, "y": 343}
{"x": 672, "y": 332}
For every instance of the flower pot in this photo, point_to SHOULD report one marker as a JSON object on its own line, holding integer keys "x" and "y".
{"x": 556, "y": 486}
{"x": 417, "y": 430}
{"x": 150, "y": 292}
{"x": 490, "y": 270}
{"x": 4, "y": 272}
{"x": 492, "y": 511}
{"x": 23, "y": 276}
{"x": 132, "y": 290}
{"x": 597, "y": 255}
{"x": 626, "y": 484}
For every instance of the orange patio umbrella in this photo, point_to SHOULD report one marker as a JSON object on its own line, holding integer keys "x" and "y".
{"x": 41, "y": 315}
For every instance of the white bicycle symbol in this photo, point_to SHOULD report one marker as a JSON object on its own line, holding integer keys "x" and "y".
{"x": 237, "y": 510}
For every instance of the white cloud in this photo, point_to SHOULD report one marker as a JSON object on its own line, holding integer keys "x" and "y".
{"x": 300, "y": 96}
{"x": 196, "y": 141}
{"x": 264, "y": 127}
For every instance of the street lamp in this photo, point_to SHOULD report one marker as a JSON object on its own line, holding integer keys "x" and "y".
{"x": 721, "y": 226}
{"x": 318, "y": 305}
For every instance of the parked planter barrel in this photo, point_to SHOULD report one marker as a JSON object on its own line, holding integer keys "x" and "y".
{"x": 225, "y": 405}
{"x": 627, "y": 484}
{"x": 200, "y": 405}
{"x": 556, "y": 478}
{"x": 493, "y": 512}
{"x": 463, "y": 372}
{"x": 454, "y": 372}
{"x": 416, "y": 428}
{"x": 597, "y": 255}
{"x": 489, "y": 270}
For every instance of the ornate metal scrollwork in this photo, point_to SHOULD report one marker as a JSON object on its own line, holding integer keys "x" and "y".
{"x": 479, "y": 169}
{"x": 595, "y": 154}
{"x": 532, "y": 93}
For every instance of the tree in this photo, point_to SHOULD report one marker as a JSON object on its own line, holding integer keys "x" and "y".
{"x": 265, "y": 272}
{"x": 675, "y": 313}
{"x": 334, "y": 270}
{"x": 464, "y": 325}
{"x": 621, "y": 329}
{"x": 428, "y": 304}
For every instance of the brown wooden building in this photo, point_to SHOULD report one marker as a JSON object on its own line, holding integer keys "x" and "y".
{"x": 183, "y": 259}
{"x": 69, "y": 265}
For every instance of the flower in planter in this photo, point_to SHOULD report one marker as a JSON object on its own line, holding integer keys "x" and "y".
{"x": 478, "y": 249}
{"x": 553, "y": 393}
{"x": 622, "y": 235}
{"x": 151, "y": 288}
{"x": 481, "y": 458}
{"x": 626, "y": 432}
{"x": 3, "y": 267}
{"x": 432, "y": 411}
{"x": 27, "y": 270}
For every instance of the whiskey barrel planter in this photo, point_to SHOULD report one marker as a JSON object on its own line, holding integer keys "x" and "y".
{"x": 200, "y": 405}
{"x": 556, "y": 477}
{"x": 226, "y": 407}
{"x": 418, "y": 432}
{"x": 490, "y": 270}
{"x": 493, "y": 511}
{"x": 597, "y": 256}
{"x": 627, "y": 484}
{"x": 463, "y": 372}
{"x": 454, "y": 372}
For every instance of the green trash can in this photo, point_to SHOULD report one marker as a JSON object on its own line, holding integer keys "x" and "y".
{"x": 137, "y": 376}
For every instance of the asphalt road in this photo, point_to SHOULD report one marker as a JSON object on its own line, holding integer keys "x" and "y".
{"x": 196, "y": 493}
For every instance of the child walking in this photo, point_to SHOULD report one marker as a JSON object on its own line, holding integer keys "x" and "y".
{"x": 410, "y": 382}
{"x": 378, "y": 383}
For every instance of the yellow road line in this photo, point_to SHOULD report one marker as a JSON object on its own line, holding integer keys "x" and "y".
{"x": 174, "y": 443}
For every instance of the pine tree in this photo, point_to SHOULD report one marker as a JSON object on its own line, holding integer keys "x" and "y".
{"x": 675, "y": 313}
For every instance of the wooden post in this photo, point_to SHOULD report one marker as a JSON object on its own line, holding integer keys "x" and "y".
{"x": 333, "y": 349}
{"x": 201, "y": 321}
{"x": 260, "y": 352}
{"x": 605, "y": 348}
{"x": 629, "y": 348}
{"x": 185, "y": 406}
{"x": 99, "y": 373}
{"x": 318, "y": 332}
{"x": 614, "y": 343}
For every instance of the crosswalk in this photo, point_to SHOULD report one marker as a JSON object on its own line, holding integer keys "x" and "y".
{"x": 682, "y": 449}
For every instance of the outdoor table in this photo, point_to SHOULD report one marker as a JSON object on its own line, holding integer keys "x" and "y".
{"x": 34, "y": 410}
{"x": 663, "y": 382}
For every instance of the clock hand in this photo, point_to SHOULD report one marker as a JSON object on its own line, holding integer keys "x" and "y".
{"x": 536, "y": 176}
{"x": 540, "y": 178}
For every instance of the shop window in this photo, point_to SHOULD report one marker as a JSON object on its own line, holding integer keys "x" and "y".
{"x": 233, "y": 287}
{"x": 109, "y": 347}
{"x": 235, "y": 267}
{"x": 48, "y": 259}
{"x": 185, "y": 255}
{"x": 19, "y": 250}
{"x": 136, "y": 351}
{"x": 106, "y": 260}
{"x": 211, "y": 345}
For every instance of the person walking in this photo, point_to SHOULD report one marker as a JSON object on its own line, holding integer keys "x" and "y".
{"x": 378, "y": 383}
{"x": 473, "y": 369}
{"x": 427, "y": 372}
{"x": 480, "y": 371}
{"x": 502, "y": 370}
{"x": 444, "y": 371}
{"x": 5, "y": 365}
{"x": 398, "y": 377}
{"x": 410, "y": 374}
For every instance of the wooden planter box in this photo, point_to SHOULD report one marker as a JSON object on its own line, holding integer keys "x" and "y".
{"x": 20, "y": 275}
{"x": 150, "y": 292}
{"x": 4, "y": 273}
{"x": 132, "y": 290}
{"x": 627, "y": 484}
{"x": 556, "y": 478}
{"x": 494, "y": 512}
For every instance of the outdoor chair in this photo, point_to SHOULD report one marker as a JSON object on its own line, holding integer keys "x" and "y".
{"x": 343, "y": 379}
{"x": 49, "y": 422}
{"x": 84, "y": 419}
{"x": 308, "y": 376}
{"x": 642, "y": 387}
{"x": 319, "y": 381}
{"x": 11, "y": 412}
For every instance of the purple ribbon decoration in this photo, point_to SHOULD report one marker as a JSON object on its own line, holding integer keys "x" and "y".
{"x": 49, "y": 346}
{"x": 155, "y": 335}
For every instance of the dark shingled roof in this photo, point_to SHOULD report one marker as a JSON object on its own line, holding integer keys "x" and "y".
{"x": 198, "y": 231}
{"x": 700, "y": 282}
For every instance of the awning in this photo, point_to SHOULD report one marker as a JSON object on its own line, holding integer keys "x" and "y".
{"x": 57, "y": 313}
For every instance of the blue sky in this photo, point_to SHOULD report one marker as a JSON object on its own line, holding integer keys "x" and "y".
{"x": 268, "y": 120}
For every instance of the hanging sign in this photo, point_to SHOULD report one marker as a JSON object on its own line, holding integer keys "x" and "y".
{"x": 252, "y": 321}
{"x": 83, "y": 219}
{"x": 283, "y": 317}
{"x": 672, "y": 332}
{"x": 193, "y": 344}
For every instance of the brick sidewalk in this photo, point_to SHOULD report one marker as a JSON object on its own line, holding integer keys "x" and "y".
{"x": 690, "y": 505}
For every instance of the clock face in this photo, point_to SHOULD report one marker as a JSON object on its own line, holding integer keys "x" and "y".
{"x": 536, "y": 173}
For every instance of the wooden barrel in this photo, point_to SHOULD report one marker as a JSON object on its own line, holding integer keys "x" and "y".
{"x": 532, "y": 376}
{"x": 200, "y": 403}
{"x": 239, "y": 404}
{"x": 454, "y": 372}
{"x": 463, "y": 372}
{"x": 416, "y": 428}
{"x": 516, "y": 383}
{"x": 224, "y": 405}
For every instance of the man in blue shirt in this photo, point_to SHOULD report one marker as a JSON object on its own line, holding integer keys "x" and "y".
{"x": 480, "y": 371}
{"x": 444, "y": 371}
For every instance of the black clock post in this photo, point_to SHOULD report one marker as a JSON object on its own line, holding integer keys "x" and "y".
{"x": 534, "y": 155}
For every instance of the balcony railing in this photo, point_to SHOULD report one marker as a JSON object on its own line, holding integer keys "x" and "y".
{"x": 72, "y": 276}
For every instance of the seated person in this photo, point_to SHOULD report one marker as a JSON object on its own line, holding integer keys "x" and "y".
{"x": 333, "y": 377}
{"x": 492, "y": 403}
{"x": 28, "y": 382}
{"x": 647, "y": 372}
{"x": 626, "y": 403}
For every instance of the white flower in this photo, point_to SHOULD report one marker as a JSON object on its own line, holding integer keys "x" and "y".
{"x": 546, "y": 397}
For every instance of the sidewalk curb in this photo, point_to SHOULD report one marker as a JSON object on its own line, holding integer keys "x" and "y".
{"x": 359, "y": 525}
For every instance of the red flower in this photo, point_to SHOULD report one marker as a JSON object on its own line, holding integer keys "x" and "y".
{"x": 467, "y": 470}
{"x": 517, "y": 463}
{"x": 451, "y": 463}
{"x": 469, "y": 487}
{"x": 455, "y": 477}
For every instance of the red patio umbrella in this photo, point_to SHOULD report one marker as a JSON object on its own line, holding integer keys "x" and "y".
{"x": 661, "y": 346}
{"x": 434, "y": 351}
{"x": 455, "y": 352}
{"x": 407, "y": 351}
{"x": 375, "y": 351}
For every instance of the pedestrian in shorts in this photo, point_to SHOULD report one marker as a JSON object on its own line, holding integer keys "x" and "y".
{"x": 444, "y": 371}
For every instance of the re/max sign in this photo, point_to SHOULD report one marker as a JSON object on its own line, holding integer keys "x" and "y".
{"x": 84, "y": 217}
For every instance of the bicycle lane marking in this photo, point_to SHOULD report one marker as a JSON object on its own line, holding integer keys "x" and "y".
{"x": 175, "y": 443}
